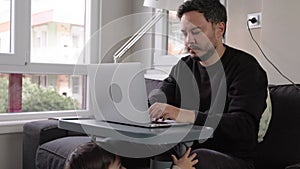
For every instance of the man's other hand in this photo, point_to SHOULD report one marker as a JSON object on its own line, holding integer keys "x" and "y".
{"x": 166, "y": 111}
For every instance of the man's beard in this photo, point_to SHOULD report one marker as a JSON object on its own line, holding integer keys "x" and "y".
{"x": 209, "y": 53}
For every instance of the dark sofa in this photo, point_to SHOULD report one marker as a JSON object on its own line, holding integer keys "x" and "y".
{"x": 281, "y": 145}
{"x": 46, "y": 146}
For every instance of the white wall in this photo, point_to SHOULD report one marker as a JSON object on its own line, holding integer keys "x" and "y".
{"x": 141, "y": 51}
{"x": 113, "y": 28}
{"x": 278, "y": 36}
{"x": 120, "y": 20}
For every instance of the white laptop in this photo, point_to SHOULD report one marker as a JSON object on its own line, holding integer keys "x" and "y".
{"x": 119, "y": 95}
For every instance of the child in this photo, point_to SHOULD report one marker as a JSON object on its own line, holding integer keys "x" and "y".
{"x": 91, "y": 156}
{"x": 187, "y": 161}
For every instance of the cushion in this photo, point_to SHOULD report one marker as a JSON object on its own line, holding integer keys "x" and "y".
{"x": 53, "y": 154}
{"x": 280, "y": 147}
{"x": 265, "y": 119}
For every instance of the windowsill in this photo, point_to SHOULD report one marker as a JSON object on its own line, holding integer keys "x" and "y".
{"x": 14, "y": 122}
{"x": 8, "y": 127}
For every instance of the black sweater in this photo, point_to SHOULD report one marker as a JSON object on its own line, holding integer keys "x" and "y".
{"x": 230, "y": 96}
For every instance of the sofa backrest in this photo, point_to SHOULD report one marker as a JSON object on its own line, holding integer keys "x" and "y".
{"x": 281, "y": 145}
{"x": 37, "y": 133}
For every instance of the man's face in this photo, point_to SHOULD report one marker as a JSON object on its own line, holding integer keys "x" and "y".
{"x": 199, "y": 34}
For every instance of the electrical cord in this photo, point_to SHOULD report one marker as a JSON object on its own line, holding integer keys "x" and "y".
{"x": 253, "y": 20}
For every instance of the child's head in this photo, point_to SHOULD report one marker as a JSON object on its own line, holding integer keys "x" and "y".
{"x": 91, "y": 156}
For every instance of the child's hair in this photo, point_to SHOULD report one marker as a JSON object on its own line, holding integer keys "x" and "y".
{"x": 89, "y": 156}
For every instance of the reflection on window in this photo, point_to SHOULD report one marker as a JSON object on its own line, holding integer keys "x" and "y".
{"x": 57, "y": 33}
{"x": 36, "y": 93}
{"x": 5, "y": 15}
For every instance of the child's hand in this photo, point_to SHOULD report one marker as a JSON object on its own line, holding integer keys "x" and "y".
{"x": 187, "y": 161}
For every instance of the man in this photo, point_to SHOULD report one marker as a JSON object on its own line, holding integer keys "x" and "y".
{"x": 213, "y": 64}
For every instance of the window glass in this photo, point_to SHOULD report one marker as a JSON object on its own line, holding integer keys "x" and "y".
{"x": 175, "y": 40}
{"x": 5, "y": 36}
{"x": 41, "y": 92}
{"x": 3, "y": 93}
{"x": 57, "y": 31}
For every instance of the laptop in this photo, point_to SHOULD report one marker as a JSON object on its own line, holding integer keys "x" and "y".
{"x": 118, "y": 92}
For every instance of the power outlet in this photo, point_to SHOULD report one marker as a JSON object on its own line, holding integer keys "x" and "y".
{"x": 257, "y": 24}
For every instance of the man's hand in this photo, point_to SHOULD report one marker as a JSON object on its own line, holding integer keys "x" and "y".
{"x": 187, "y": 161}
{"x": 166, "y": 111}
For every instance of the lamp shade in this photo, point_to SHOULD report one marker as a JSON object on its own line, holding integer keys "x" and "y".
{"x": 164, "y": 4}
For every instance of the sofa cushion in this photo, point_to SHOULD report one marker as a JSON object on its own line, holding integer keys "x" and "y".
{"x": 265, "y": 119}
{"x": 53, "y": 154}
{"x": 281, "y": 147}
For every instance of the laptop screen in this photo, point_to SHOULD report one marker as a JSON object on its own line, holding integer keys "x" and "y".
{"x": 118, "y": 92}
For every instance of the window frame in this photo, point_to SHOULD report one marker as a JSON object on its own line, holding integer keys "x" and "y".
{"x": 19, "y": 61}
{"x": 19, "y": 33}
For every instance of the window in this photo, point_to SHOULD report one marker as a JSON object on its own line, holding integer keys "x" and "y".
{"x": 175, "y": 37}
{"x": 3, "y": 93}
{"x": 5, "y": 15}
{"x": 38, "y": 93}
{"x": 13, "y": 32}
{"x": 40, "y": 60}
{"x": 75, "y": 84}
{"x": 54, "y": 27}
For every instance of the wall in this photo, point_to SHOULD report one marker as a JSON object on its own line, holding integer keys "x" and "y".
{"x": 120, "y": 20}
{"x": 11, "y": 151}
{"x": 141, "y": 51}
{"x": 113, "y": 28}
{"x": 278, "y": 36}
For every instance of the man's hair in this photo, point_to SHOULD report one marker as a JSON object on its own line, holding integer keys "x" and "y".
{"x": 89, "y": 155}
{"x": 212, "y": 10}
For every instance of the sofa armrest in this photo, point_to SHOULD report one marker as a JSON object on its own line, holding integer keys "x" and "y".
{"x": 36, "y": 133}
